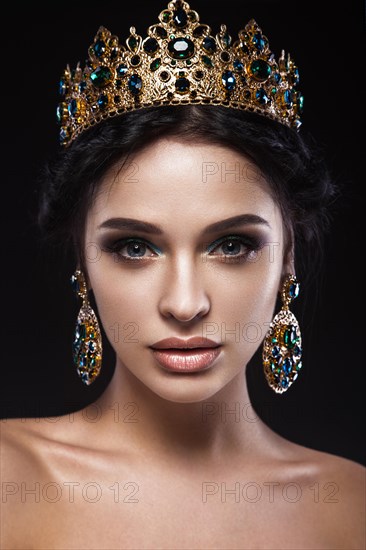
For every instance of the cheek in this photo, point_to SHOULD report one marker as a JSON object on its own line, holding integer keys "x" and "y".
{"x": 242, "y": 310}
{"x": 122, "y": 300}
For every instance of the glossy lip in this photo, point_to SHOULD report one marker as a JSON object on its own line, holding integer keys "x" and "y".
{"x": 191, "y": 343}
{"x": 186, "y": 360}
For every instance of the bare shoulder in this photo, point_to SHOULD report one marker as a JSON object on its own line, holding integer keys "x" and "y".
{"x": 338, "y": 496}
{"x": 32, "y": 454}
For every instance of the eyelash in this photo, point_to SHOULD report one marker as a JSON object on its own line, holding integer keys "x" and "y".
{"x": 252, "y": 245}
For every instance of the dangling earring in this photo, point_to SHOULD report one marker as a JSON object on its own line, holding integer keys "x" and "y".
{"x": 87, "y": 346}
{"x": 282, "y": 344}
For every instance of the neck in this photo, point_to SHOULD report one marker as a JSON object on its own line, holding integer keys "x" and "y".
{"x": 223, "y": 423}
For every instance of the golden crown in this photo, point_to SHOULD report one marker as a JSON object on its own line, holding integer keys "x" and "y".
{"x": 178, "y": 62}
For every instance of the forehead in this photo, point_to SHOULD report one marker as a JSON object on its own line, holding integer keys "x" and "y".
{"x": 196, "y": 179}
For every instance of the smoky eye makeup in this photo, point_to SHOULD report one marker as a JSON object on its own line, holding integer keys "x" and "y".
{"x": 234, "y": 247}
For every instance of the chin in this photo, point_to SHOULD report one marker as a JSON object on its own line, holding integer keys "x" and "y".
{"x": 186, "y": 388}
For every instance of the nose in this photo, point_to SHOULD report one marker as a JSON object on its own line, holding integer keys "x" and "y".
{"x": 184, "y": 297}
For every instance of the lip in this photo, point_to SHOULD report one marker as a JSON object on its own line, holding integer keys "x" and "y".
{"x": 188, "y": 360}
{"x": 179, "y": 343}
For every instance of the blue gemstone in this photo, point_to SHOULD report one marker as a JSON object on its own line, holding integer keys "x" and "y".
{"x": 276, "y": 351}
{"x": 135, "y": 84}
{"x": 122, "y": 69}
{"x": 82, "y": 86}
{"x": 62, "y": 87}
{"x": 261, "y": 96}
{"x": 296, "y": 77}
{"x": 294, "y": 290}
{"x": 228, "y": 80}
{"x": 64, "y": 135}
{"x": 287, "y": 97}
{"x": 297, "y": 351}
{"x": 83, "y": 361}
{"x": 287, "y": 365}
{"x": 180, "y": 18}
{"x": 99, "y": 48}
{"x": 59, "y": 112}
{"x": 72, "y": 107}
{"x": 74, "y": 283}
{"x": 238, "y": 65}
{"x": 258, "y": 41}
{"x": 85, "y": 377}
{"x": 102, "y": 101}
{"x": 284, "y": 382}
{"x": 209, "y": 44}
{"x": 182, "y": 84}
{"x": 277, "y": 78}
{"x": 92, "y": 346}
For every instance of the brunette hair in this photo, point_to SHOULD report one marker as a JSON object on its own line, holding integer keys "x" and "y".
{"x": 292, "y": 165}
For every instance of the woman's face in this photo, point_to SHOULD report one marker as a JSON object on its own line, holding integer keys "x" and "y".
{"x": 188, "y": 276}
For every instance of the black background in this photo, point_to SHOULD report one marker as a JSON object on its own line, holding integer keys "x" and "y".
{"x": 325, "y": 407}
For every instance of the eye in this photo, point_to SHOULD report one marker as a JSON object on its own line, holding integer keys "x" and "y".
{"x": 235, "y": 246}
{"x": 131, "y": 249}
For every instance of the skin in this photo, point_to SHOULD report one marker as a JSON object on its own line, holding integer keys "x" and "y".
{"x": 166, "y": 440}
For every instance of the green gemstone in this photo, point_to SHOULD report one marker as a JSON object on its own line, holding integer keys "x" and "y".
{"x": 290, "y": 337}
{"x": 188, "y": 62}
{"x": 101, "y": 76}
{"x": 299, "y": 365}
{"x": 165, "y": 16}
{"x": 181, "y": 48}
{"x": 155, "y": 64}
{"x": 260, "y": 70}
{"x": 132, "y": 43}
{"x": 301, "y": 103}
{"x": 207, "y": 61}
{"x": 173, "y": 62}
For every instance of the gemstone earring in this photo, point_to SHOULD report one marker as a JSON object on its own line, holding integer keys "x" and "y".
{"x": 87, "y": 346}
{"x": 282, "y": 345}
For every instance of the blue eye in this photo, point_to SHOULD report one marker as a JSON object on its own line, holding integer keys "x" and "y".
{"x": 135, "y": 248}
{"x": 233, "y": 246}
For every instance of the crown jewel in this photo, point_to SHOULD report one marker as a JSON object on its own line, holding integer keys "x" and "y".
{"x": 178, "y": 62}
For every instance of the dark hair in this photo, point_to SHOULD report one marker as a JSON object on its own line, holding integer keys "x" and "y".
{"x": 297, "y": 174}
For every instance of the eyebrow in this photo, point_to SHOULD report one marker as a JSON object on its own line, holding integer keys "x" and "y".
{"x": 147, "y": 227}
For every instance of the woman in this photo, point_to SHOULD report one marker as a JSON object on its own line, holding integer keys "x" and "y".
{"x": 191, "y": 223}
